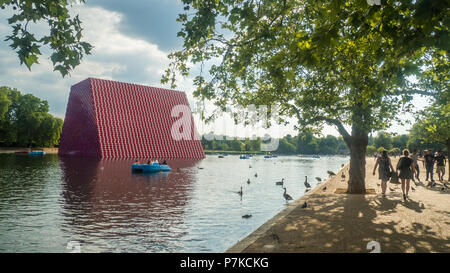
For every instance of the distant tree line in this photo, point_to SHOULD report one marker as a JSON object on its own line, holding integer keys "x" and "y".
{"x": 304, "y": 143}
{"x": 395, "y": 144}
{"x": 307, "y": 143}
{"x": 25, "y": 121}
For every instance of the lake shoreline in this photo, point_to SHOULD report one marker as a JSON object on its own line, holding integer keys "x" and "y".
{"x": 13, "y": 150}
{"x": 346, "y": 223}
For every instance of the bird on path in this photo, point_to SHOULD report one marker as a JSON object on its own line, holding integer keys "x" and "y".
{"x": 330, "y": 173}
{"x": 280, "y": 182}
{"x": 324, "y": 188}
{"x": 286, "y": 196}
{"x": 343, "y": 176}
{"x": 304, "y": 205}
{"x": 306, "y": 182}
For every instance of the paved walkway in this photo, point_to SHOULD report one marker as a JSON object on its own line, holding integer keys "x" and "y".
{"x": 347, "y": 223}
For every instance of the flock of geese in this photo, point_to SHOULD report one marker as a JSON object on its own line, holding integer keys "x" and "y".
{"x": 286, "y": 196}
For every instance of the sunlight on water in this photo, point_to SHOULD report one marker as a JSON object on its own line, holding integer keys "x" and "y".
{"x": 46, "y": 202}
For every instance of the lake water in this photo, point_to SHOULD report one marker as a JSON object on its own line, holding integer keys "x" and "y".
{"x": 48, "y": 203}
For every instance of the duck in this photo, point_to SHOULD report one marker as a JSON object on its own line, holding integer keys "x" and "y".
{"x": 256, "y": 174}
{"x": 248, "y": 181}
{"x": 240, "y": 192}
{"x": 280, "y": 182}
{"x": 246, "y": 216}
{"x": 286, "y": 196}
{"x": 318, "y": 179}
{"x": 306, "y": 182}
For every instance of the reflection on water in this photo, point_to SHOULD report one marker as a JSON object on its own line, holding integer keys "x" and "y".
{"x": 47, "y": 201}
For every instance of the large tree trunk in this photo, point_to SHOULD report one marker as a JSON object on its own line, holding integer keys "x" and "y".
{"x": 448, "y": 156}
{"x": 357, "y": 171}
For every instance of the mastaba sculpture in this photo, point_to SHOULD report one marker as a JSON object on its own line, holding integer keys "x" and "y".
{"x": 110, "y": 119}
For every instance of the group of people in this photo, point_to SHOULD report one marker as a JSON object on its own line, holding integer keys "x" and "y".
{"x": 408, "y": 168}
{"x": 151, "y": 162}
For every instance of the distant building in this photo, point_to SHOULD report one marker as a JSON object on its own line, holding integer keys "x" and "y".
{"x": 112, "y": 119}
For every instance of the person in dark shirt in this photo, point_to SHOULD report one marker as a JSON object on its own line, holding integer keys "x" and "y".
{"x": 429, "y": 162}
{"x": 405, "y": 166}
{"x": 440, "y": 165}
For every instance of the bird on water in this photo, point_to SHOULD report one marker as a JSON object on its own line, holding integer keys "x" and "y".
{"x": 306, "y": 182}
{"x": 280, "y": 182}
{"x": 246, "y": 216}
{"x": 318, "y": 179}
{"x": 240, "y": 192}
{"x": 248, "y": 181}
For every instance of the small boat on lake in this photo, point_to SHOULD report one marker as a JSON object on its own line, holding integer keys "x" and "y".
{"x": 147, "y": 168}
{"x": 36, "y": 153}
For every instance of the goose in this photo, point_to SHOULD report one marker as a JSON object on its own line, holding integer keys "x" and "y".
{"x": 330, "y": 173}
{"x": 280, "y": 182}
{"x": 286, "y": 196}
{"x": 304, "y": 205}
{"x": 240, "y": 192}
{"x": 306, "y": 182}
{"x": 246, "y": 216}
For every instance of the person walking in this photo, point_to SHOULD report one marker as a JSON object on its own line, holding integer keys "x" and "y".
{"x": 405, "y": 166}
{"x": 416, "y": 157}
{"x": 384, "y": 170}
{"x": 429, "y": 162}
{"x": 440, "y": 166}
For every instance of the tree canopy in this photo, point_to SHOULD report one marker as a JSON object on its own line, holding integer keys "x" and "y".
{"x": 64, "y": 37}
{"x": 25, "y": 121}
{"x": 341, "y": 62}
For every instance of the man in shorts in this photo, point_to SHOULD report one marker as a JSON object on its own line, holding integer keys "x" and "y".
{"x": 440, "y": 165}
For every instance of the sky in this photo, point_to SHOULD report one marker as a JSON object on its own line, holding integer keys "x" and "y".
{"x": 131, "y": 40}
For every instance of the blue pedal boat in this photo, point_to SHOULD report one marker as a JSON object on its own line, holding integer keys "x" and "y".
{"x": 37, "y": 153}
{"x": 153, "y": 168}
